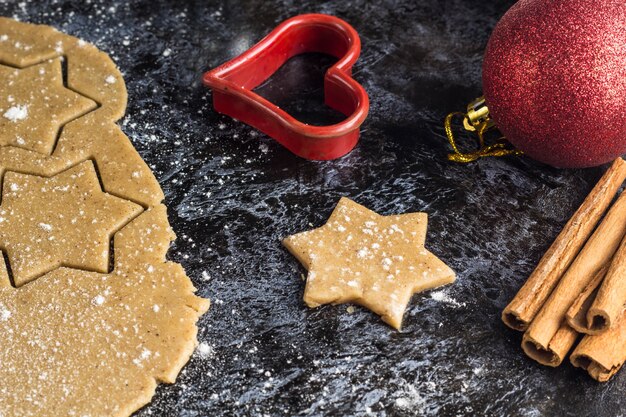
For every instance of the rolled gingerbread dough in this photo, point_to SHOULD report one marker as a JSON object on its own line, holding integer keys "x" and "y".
{"x": 92, "y": 315}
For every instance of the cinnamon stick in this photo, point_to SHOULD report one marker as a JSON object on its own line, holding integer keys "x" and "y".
{"x": 556, "y": 350}
{"x": 576, "y": 316}
{"x": 604, "y": 354}
{"x": 522, "y": 309}
{"x": 597, "y": 252}
{"x": 609, "y": 303}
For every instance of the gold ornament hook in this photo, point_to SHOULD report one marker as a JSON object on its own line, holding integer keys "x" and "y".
{"x": 477, "y": 119}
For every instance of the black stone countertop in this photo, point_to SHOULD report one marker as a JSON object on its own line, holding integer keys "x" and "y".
{"x": 233, "y": 194}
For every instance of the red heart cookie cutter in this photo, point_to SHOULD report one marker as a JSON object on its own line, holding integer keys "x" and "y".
{"x": 232, "y": 84}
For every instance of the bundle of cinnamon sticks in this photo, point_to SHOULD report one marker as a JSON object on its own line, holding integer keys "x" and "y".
{"x": 579, "y": 287}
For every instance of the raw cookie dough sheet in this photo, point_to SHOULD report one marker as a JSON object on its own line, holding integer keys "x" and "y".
{"x": 92, "y": 315}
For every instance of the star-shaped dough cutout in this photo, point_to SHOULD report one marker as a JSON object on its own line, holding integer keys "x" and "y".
{"x": 65, "y": 220}
{"x": 34, "y": 105}
{"x": 375, "y": 261}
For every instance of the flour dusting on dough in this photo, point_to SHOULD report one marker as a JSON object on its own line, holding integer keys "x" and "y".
{"x": 5, "y": 314}
{"x": 16, "y": 113}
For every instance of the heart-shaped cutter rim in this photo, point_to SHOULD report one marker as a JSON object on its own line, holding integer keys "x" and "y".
{"x": 233, "y": 83}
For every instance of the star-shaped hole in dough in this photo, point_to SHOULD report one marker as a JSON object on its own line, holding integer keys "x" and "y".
{"x": 34, "y": 105}
{"x": 65, "y": 220}
{"x": 375, "y": 261}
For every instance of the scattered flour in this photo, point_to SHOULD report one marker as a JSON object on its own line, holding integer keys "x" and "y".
{"x": 98, "y": 300}
{"x": 445, "y": 298}
{"x": 205, "y": 351}
{"x": 16, "y": 113}
{"x": 45, "y": 226}
{"x": 411, "y": 400}
{"x": 145, "y": 354}
{"x": 5, "y": 314}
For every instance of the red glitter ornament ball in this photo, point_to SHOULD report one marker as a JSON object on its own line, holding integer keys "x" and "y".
{"x": 554, "y": 79}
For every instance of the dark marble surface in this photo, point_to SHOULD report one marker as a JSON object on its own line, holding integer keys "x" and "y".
{"x": 233, "y": 194}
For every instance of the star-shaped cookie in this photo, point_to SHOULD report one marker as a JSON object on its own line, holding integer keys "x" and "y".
{"x": 63, "y": 220}
{"x": 34, "y": 105}
{"x": 375, "y": 261}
